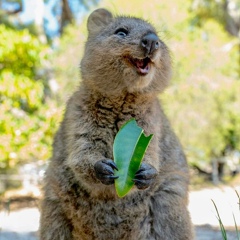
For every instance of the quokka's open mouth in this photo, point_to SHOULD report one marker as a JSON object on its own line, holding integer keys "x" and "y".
{"x": 142, "y": 65}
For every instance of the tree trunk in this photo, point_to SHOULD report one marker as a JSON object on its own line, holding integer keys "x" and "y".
{"x": 232, "y": 24}
{"x": 66, "y": 16}
{"x": 215, "y": 177}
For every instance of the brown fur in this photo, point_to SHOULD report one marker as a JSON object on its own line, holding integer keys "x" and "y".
{"x": 77, "y": 205}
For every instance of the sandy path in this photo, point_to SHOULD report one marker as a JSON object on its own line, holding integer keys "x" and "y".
{"x": 202, "y": 209}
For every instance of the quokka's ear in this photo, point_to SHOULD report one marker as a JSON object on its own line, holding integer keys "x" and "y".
{"x": 97, "y": 20}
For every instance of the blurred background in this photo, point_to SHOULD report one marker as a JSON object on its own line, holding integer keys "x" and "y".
{"x": 41, "y": 44}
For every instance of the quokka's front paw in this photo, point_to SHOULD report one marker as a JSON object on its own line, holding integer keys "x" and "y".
{"x": 104, "y": 170}
{"x": 145, "y": 176}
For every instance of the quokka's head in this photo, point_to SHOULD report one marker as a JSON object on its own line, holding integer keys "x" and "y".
{"x": 124, "y": 54}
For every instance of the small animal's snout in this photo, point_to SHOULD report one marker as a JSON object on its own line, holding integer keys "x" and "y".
{"x": 150, "y": 43}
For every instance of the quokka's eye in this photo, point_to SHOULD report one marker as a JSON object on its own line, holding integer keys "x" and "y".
{"x": 122, "y": 32}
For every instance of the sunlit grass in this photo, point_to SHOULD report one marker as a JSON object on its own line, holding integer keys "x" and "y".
{"x": 223, "y": 230}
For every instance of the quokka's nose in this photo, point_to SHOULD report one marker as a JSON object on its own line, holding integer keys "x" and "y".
{"x": 150, "y": 43}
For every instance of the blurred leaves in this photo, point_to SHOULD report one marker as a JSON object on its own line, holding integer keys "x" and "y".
{"x": 225, "y": 12}
{"x": 206, "y": 116}
{"x": 28, "y": 118}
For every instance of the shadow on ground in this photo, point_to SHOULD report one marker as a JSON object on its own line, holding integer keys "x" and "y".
{"x": 207, "y": 232}
{"x": 5, "y": 235}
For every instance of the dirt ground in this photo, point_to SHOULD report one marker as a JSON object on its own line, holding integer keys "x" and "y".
{"x": 22, "y": 224}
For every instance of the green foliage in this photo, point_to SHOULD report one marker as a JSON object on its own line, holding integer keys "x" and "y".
{"x": 129, "y": 148}
{"x": 65, "y": 60}
{"x": 205, "y": 116}
{"x": 205, "y": 9}
{"x": 20, "y": 52}
{"x": 225, "y": 12}
{"x": 28, "y": 118}
{"x": 202, "y": 104}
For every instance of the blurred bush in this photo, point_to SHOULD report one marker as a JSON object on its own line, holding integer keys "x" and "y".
{"x": 28, "y": 117}
{"x": 203, "y": 101}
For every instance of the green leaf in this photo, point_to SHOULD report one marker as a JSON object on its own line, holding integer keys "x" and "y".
{"x": 223, "y": 231}
{"x": 129, "y": 147}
